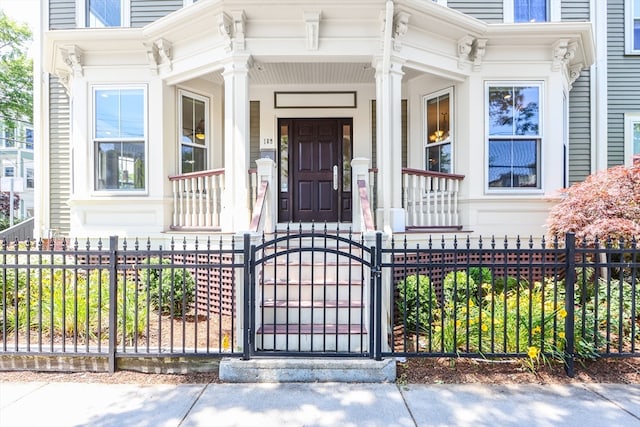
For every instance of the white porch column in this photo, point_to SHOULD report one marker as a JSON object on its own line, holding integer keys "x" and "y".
{"x": 359, "y": 171}
{"x": 267, "y": 172}
{"x": 235, "y": 208}
{"x": 390, "y": 214}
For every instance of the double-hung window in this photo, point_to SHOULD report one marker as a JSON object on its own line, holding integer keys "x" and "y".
{"x": 632, "y": 26}
{"x": 530, "y": 10}
{"x": 120, "y": 138}
{"x": 438, "y": 139}
{"x": 28, "y": 138}
{"x": 632, "y": 138}
{"x": 194, "y": 132}
{"x": 106, "y": 13}
{"x": 514, "y": 136}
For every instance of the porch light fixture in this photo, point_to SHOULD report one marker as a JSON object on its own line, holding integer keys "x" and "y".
{"x": 199, "y": 134}
{"x": 436, "y": 136}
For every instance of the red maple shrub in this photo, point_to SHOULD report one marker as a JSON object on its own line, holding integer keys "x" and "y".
{"x": 605, "y": 205}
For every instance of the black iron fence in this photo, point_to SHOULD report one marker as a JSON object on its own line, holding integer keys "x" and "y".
{"x": 61, "y": 298}
{"x": 537, "y": 300}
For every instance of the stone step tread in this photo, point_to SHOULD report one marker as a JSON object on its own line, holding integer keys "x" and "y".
{"x": 270, "y": 303}
{"x": 330, "y": 329}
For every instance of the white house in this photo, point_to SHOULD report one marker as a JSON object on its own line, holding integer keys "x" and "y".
{"x": 459, "y": 117}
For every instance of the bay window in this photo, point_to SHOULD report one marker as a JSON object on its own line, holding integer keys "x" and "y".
{"x": 194, "y": 132}
{"x": 438, "y": 139}
{"x": 120, "y": 138}
{"x": 514, "y": 136}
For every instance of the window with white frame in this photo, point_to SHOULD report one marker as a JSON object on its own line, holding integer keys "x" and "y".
{"x": 119, "y": 138}
{"x": 438, "y": 108}
{"x": 194, "y": 131}
{"x": 632, "y": 138}
{"x": 531, "y": 10}
{"x": 632, "y": 26}
{"x": 28, "y": 138}
{"x": 8, "y": 140}
{"x": 9, "y": 171}
{"x": 514, "y": 135}
{"x": 105, "y": 13}
{"x": 29, "y": 178}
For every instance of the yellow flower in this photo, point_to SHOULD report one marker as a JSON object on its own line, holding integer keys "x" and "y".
{"x": 458, "y": 323}
{"x": 533, "y": 352}
{"x": 561, "y": 335}
{"x": 562, "y": 313}
{"x": 225, "y": 342}
{"x": 485, "y": 328}
{"x": 536, "y": 330}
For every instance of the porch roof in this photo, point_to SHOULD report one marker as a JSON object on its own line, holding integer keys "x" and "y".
{"x": 196, "y": 40}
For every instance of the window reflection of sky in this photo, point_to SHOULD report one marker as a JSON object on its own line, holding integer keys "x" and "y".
{"x": 509, "y": 158}
{"x": 513, "y": 110}
{"x": 120, "y": 113}
{"x": 104, "y": 13}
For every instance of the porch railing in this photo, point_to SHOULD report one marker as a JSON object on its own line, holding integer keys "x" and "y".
{"x": 196, "y": 199}
{"x": 430, "y": 198}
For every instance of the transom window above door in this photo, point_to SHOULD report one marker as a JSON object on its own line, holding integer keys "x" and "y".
{"x": 194, "y": 132}
{"x": 438, "y": 108}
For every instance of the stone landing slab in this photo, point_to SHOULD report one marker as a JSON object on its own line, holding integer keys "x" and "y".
{"x": 283, "y": 370}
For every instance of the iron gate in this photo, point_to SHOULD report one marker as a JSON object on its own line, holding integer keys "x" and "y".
{"x": 312, "y": 294}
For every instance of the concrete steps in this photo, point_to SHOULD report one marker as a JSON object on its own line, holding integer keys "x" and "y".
{"x": 312, "y": 299}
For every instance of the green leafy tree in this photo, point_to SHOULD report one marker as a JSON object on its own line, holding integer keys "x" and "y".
{"x": 16, "y": 72}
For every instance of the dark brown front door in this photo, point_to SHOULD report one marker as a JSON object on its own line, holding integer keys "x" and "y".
{"x": 314, "y": 163}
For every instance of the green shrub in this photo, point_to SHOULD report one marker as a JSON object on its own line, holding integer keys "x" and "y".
{"x": 454, "y": 287}
{"x": 171, "y": 289}
{"x": 417, "y": 301}
{"x": 75, "y": 306}
{"x": 480, "y": 274}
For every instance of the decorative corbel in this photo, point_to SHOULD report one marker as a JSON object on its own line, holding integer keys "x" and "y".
{"x": 312, "y": 26}
{"x": 239, "y": 19}
{"x": 478, "y": 50}
{"x": 400, "y": 28}
{"x": 563, "y": 52}
{"x": 64, "y": 77}
{"x": 574, "y": 73}
{"x": 72, "y": 57}
{"x": 159, "y": 54}
{"x": 224, "y": 22}
{"x": 465, "y": 46}
{"x": 165, "y": 53}
{"x": 152, "y": 57}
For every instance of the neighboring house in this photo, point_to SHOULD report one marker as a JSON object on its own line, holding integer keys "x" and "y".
{"x": 498, "y": 103}
{"x": 16, "y": 158}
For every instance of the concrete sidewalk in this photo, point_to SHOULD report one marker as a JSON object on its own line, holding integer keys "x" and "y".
{"x": 317, "y": 404}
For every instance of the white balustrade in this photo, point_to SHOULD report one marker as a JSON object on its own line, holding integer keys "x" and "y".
{"x": 196, "y": 199}
{"x": 431, "y": 198}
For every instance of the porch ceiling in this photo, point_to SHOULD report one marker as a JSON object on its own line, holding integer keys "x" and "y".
{"x": 290, "y": 73}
